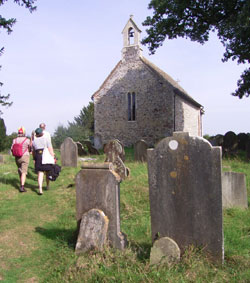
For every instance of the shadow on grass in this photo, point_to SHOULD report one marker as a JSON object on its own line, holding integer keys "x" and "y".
{"x": 63, "y": 236}
{"x": 142, "y": 250}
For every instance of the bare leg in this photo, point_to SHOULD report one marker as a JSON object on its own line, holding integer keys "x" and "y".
{"x": 47, "y": 181}
{"x": 40, "y": 181}
{"x": 22, "y": 179}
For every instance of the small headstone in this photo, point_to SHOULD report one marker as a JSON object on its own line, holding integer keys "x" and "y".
{"x": 98, "y": 187}
{"x": 81, "y": 150}
{"x": 140, "y": 151}
{"x": 115, "y": 153}
{"x": 185, "y": 193}
{"x": 230, "y": 143}
{"x": 234, "y": 191}
{"x": 164, "y": 250}
{"x": 1, "y": 159}
{"x": 93, "y": 231}
{"x": 90, "y": 148}
{"x": 98, "y": 141}
{"x": 69, "y": 153}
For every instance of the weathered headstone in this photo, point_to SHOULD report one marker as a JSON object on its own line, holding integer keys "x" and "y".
{"x": 81, "y": 150}
{"x": 230, "y": 143}
{"x": 1, "y": 159}
{"x": 69, "y": 153}
{"x": 93, "y": 231}
{"x": 164, "y": 250}
{"x": 234, "y": 191}
{"x": 98, "y": 186}
{"x": 140, "y": 151}
{"x": 185, "y": 193}
{"x": 98, "y": 141}
{"x": 115, "y": 153}
{"x": 90, "y": 148}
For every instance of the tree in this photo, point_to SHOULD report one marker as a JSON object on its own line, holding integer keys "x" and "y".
{"x": 86, "y": 117}
{"x": 7, "y": 24}
{"x": 195, "y": 19}
{"x": 2, "y": 135}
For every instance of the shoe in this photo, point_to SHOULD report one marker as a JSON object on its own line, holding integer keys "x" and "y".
{"x": 22, "y": 189}
{"x": 40, "y": 194}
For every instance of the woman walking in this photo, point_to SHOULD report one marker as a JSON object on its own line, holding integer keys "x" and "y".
{"x": 40, "y": 143}
{"x": 20, "y": 149}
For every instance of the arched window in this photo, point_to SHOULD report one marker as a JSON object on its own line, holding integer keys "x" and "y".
{"x": 131, "y": 106}
{"x": 131, "y": 36}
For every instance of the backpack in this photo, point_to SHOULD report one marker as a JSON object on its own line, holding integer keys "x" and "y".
{"x": 54, "y": 172}
{"x": 17, "y": 148}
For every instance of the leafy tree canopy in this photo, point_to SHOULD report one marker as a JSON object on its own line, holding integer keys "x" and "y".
{"x": 194, "y": 19}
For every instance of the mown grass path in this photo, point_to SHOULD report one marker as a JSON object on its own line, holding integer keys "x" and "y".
{"x": 37, "y": 235}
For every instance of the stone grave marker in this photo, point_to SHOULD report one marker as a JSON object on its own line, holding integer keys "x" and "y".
{"x": 90, "y": 148}
{"x": 140, "y": 151}
{"x": 164, "y": 250}
{"x": 216, "y": 140}
{"x": 230, "y": 143}
{"x": 93, "y": 231}
{"x": 234, "y": 191}
{"x": 69, "y": 153}
{"x": 98, "y": 186}
{"x": 81, "y": 150}
{"x": 242, "y": 141}
{"x": 185, "y": 193}
{"x": 115, "y": 153}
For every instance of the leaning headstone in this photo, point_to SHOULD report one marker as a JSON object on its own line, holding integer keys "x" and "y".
{"x": 69, "y": 153}
{"x": 230, "y": 143}
{"x": 93, "y": 231}
{"x": 1, "y": 159}
{"x": 140, "y": 151}
{"x": 81, "y": 150}
{"x": 234, "y": 191}
{"x": 98, "y": 186}
{"x": 115, "y": 153}
{"x": 242, "y": 141}
{"x": 91, "y": 149}
{"x": 98, "y": 141}
{"x": 185, "y": 193}
{"x": 164, "y": 250}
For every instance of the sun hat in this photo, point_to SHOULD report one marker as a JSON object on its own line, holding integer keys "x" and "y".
{"x": 21, "y": 131}
{"x": 38, "y": 131}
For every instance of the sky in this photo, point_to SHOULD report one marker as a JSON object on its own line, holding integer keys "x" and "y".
{"x": 58, "y": 56}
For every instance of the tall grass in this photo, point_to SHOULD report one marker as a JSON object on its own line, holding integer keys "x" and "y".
{"x": 37, "y": 234}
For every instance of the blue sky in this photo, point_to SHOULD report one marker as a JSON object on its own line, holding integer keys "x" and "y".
{"x": 59, "y": 55}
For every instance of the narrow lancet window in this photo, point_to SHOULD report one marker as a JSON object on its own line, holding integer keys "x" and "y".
{"x": 131, "y": 106}
{"x": 131, "y": 36}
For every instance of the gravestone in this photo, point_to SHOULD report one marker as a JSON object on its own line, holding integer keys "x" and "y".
{"x": 69, "y": 153}
{"x": 216, "y": 140}
{"x": 230, "y": 143}
{"x": 1, "y": 159}
{"x": 91, "y": 149}
{"x": 164, "y": 250}
{"x": 115, "y": 153}
{"x": 185, "y": 193}
{"x": 98, "y": 141}
{"x": 93, "y": 231}
{"x": 98, "y": 186}
{"x": 81, "y": 150}
{"x": 234, "y": 191}
{"x": 242, "y": 141}
{"x": 140, "y": 151}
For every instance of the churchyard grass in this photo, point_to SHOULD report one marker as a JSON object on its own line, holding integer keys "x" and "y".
{"x": 37, "y": 234}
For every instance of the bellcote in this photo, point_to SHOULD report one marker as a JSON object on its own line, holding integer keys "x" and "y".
{"x": 131, "y": 40}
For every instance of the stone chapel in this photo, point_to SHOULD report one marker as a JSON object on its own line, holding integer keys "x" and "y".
{"x": 139, "y": 101}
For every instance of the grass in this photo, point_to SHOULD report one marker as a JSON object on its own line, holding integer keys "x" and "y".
{"x": 37, "y": 234}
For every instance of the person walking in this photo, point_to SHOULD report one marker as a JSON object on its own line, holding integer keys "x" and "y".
{"x": 45, "y": 133}
{"x": 40, "y": 143}
{"x": 20, "y": 149}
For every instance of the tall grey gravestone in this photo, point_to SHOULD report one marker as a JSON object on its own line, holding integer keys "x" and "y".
{"x": 140, "y": 151}
{"x": 98, "y": 187}
{"x": 234, "y": 191}
{"x": 69, "y": 153}
{"x": 185, "y": 193}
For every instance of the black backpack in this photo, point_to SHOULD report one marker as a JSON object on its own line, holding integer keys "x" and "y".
{"x": 54, "y": 172}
